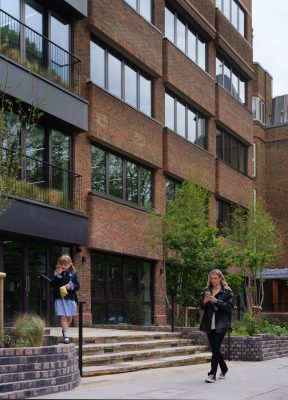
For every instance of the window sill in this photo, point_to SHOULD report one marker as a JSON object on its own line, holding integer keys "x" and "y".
{"x": 119, "y": 201}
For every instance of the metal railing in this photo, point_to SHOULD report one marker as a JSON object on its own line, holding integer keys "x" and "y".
{"x": 38, "y": 53}
{"x": 24, "y": 176}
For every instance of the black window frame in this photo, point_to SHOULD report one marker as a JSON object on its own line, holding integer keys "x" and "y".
{"x": 197, "y": 116}
{"x": 124, "y": 62}
{"x": 124, "y": 160}
{"x": 198, "y": 37}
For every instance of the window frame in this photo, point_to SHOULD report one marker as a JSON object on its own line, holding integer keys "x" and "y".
{"x": 241, "y": 29}
{"x": 220, "y": 79}
{"x": 138, "y": 9}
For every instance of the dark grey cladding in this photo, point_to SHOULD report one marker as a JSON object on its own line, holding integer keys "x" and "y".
{"x": 279, "y": 112}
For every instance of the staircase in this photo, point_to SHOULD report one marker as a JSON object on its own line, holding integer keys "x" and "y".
{"x": 133, "y": 352}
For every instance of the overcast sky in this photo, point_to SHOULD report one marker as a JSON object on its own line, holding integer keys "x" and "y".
{"x": 270, "y": 42}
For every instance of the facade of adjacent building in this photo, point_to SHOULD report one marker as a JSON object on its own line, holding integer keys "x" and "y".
{"x": 136, "y": 95}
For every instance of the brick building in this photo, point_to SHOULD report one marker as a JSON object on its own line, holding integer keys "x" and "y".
{"x": 164, "y": 90}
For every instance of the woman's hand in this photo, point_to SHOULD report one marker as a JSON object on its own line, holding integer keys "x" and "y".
{"x": 68, "y": 286}
{"x": 59, "y": 270}
{"x": 213, "y": 299}
{"x": 207, "y": 298}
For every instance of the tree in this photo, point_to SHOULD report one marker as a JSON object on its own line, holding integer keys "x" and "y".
{"x": 190, "y": 245}
{"x": 255, "y": 243}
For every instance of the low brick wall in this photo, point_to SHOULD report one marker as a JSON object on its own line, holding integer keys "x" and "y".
{"x": 37, "y": 371}
{"x": 245, "y": 348}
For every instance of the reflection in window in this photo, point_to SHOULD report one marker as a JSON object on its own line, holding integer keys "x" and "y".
{"x": 113, "y": 73}
{"x": 190, "y": 123}
{"x": 126, "y": 179}
{"x": 60, "y": 35}
{"x": 227, "y": 77}
{"x": 185, "y": 38}
{"x": 171, "y": 187}
{"x": 234, "y": 13}
{"x": 224, "y": 212}
{"x": 258, "y": 109}
{"x": 231, "y": 150}
{"x": 143, "y": 7}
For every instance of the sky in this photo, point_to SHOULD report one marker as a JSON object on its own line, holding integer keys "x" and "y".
{"x": 270, "y": 40}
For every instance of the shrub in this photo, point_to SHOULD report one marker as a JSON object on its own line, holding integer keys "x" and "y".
{"x": 30, "y": 327}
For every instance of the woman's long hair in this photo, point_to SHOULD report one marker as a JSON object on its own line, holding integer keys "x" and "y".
{"x": 220, "y": 275}
{"x": 65, "y": 259}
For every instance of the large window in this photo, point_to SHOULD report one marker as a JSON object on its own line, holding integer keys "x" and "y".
{"x": 121, "y": 290}
{"x": 258, "y": 109}
{"x": 171, "y": 187}
{"x": 125, "y": 81}
{"x": 231, "y": 80}
{"x": 185, "y": 38}
{"x": 186, "y": 121}
{"x": 231, "y": 150}
{"x": 143, "y": 7}
{"x": 224, "y": 211}
{"x": 114, "y": 175}
{"x": 232, "y": 11}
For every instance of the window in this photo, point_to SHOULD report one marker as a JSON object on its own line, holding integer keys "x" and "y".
{"x": 234, "y": 13}
{"x": 187, "y": 122}
{"x": 118, "y": 177}
{"x": 113, "y": 73}
{"x": 227, "y": 77}
{"x": 185, "y": 38}
{"x": 143, "y": 7}
{"x": 171, "y": 187}
{"x": 231, "y": 150}
{"x": 224, "y": 211}
{"x": 258, "y": 109}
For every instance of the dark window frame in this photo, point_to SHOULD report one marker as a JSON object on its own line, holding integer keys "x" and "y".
{"x": 220, "y": 79}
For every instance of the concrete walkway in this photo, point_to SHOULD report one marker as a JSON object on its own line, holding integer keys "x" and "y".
{"x": 266, "y": 380}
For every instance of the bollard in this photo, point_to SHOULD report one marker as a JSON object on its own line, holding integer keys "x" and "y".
{"x": 2, "y": 277}
{"x": 80, "y": 337}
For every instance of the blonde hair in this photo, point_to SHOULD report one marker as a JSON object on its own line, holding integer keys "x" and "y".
{"x": 220, "y": 275}
{"x": 65, "y": 259}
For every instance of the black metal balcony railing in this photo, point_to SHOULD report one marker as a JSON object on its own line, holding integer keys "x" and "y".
{"x": 34, "y": 179}
{"x": 39, "y": 54}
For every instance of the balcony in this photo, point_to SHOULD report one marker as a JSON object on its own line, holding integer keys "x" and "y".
{"x": 27, "y": 47}
{"x": 30, "y": 178}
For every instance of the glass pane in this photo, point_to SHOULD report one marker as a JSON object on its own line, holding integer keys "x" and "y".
{"x": 227, "y": 78}
{"x": 254, "y": 105}
{"x": 98, "y": 161}
{"x": 132, "y": 182}
{"x": 241, "y": 27}
{"x": 60, "y": 60}
{"x": 97, "y": 277}
{"x": 97, "y": 64}
{"x": 34, "y": 42}
{"x": 170, "y": 189}
{"x": 131, "y": 277}
{"x": 145, "y": 9}
{"x": 201, "y": 133}
{"x": 133, "y": 3}
{"x": 201, "y": 54}
{"x": 115, "y": 314}
{"x": 130, "y": 86}
{"x": 11, "y": 7}
{"x": 98, "y": 313}
{"x": 13, "y": 283}
{"x": 234, "y": 153}
{"x": 192, "y": 126}
{"x": 180, "y": 119}
{"x": 242, "y": 158}
{"x": 114, "y": 75}
{"x": 145, "y": 95}
{"x": 10, "y": 29}
{"x": 242, "y": 92}
{"x": 219, "y": 144}
{"x": 36, "y": 266}
{"x": 115, "y": 176}
{"x": 234, "y": 14}
{"x": 219, "y": 4}
{"x": 169, "y": 112}
{"x": 191, "y": 45}
{"x": 35, "y": 139}
{"x": 180, "y": 33}
{"x": 219, "y": 71}
{"x": 227, "y": 148}
{"x": 145, "y": 280}
{"x": 115, "y": 280}
{"x": 60, "y": 158}
{"x": 234, "y": 89}
{"x": 169, "y": 25}
{"x": 226, "y": 8}
{"x": 146, "y": 188}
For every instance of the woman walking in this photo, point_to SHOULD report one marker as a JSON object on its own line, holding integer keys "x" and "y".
{"x": 65, "y": 284}
{"x": 217, "y": 301}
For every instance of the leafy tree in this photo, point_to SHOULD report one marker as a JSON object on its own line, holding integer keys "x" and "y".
{"x": 255, "y": 243}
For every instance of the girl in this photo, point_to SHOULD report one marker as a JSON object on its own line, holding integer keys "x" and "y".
{"x": 65, "y": 285}
{"x": 217, "y": 301}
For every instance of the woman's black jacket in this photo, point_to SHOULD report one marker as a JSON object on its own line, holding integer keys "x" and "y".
{"x": 222, "y": 309}
{"x": 62, "y": 279}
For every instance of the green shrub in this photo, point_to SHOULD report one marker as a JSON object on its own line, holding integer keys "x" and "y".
{"x": 30, "y": 328}
{"x": 265, "y": 326}
{"x": 9, "y": 340}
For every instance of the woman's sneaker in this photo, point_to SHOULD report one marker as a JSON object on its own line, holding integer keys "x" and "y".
{"x": 210, "y": 379}
{"x": 222, "y": 375}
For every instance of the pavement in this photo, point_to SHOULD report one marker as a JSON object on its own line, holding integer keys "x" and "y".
{"x": 265, "y": 380}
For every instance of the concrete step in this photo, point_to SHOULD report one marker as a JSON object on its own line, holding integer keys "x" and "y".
{"x": 139, "y": 355}
{"x": 173, "y": 361}
{"x": 89, "y": 349}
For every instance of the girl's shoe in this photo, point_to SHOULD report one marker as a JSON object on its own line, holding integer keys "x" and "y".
{"x": 66, "y": 340}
